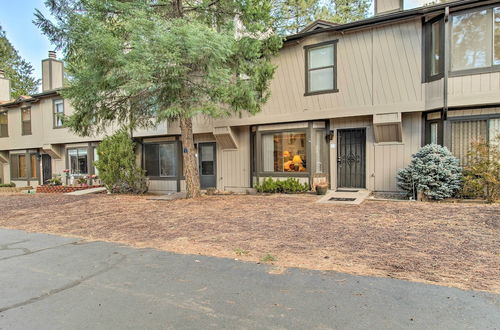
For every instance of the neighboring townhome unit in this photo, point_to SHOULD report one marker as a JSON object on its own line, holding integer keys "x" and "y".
{"x": 349, "y": 104}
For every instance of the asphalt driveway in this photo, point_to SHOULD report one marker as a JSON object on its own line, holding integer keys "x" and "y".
{"x": 51, "y": 282}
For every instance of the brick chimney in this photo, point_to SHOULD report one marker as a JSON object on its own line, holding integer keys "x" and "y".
{"x": 4, "y": 87}
{"x": 387, "y": 6}
{"x": 52, "y": 72}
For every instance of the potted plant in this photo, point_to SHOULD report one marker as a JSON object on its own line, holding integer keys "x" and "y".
{"x": 321, "y": 188}
{"x": 82, "y": 181}
{"x": 55, "y": 180}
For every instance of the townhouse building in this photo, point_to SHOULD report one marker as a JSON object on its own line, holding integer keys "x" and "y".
{"x": 350, "y": 103}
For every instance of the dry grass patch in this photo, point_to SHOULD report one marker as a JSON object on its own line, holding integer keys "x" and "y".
{"x": 442, "y": 243}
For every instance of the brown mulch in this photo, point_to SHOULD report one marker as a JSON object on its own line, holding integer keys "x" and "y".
{"x": 442, "y": 243}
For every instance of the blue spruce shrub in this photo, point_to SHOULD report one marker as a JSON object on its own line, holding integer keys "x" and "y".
{"x": 434, "y": 171}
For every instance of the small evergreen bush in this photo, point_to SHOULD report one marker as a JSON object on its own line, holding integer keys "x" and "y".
{"x": 433, "y": 171}
{"x": 117, "y": 165}
{"x": 288, "y": 186}
{"x": 7, "y": 185}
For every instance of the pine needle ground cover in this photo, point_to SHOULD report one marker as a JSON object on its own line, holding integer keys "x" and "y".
{"x": 441, "y": 243}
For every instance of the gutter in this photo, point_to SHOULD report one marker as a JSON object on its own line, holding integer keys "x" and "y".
{"x": 388, "y": 18}
{"x": 446, "y": 61}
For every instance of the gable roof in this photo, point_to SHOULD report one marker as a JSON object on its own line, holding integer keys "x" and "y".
{"x": 30, "y": 99}
{"x": 318, "y": 24}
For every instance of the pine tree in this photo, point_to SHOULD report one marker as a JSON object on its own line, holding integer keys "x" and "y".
{"x": 294, "y": 15}
{"x": 139, "y": 62}
{"x": 16, "y": 69}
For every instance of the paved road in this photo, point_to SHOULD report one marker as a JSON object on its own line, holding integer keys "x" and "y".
{"x": 51, "y": 282}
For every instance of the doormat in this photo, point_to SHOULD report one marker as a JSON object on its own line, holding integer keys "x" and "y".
{"x": 342, "y": 199}
{"x": 347, "y": 190}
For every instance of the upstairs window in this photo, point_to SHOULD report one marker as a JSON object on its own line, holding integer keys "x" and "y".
{"x": 475, "y": 40}
{"x": 434, "y": 49}
{"x": 26, "y": 121}
{"x": 58, "y": 113}
{"x": 321, "y": 68}
{"x": 4, "y": 124}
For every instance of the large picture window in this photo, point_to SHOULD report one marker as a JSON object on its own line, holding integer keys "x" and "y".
{"x": 4, "y": 124}
{"x": 161, "y": 159}
{"x": 475, "y": 40}
{"x": 321, "y": 70}
{"x": 284, "y": 152}
{"x": 78, "y": 161}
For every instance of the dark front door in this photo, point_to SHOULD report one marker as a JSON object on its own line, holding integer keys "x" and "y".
{"x": 208, "y": 165}
{"x": 351, "y": 158}
{"x": 46, "y": 168}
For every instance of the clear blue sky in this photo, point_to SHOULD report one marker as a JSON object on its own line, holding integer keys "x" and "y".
{"x": 16, "y": 18}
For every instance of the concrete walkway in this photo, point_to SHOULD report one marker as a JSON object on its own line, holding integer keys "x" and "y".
{"x": 51, "y": 282}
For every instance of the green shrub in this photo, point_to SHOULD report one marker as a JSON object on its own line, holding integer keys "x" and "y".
{"x": 433, "y": 171}
{"x": 117, "y": 165}
{"x": 482, "y": 173}
{"x": 7, "y": 185}
{"x": 287, "y": 186}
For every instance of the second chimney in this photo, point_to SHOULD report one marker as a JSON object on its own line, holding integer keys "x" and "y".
{"x": 52, "y": 73}
{"x": 4, "y": 87}
{"x": 387, "y": 6}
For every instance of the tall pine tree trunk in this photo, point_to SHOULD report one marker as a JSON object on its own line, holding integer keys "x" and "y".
{"x": 191, "y": 174}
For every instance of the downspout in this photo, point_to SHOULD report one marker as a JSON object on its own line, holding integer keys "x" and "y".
{"x": 446, "y": 62}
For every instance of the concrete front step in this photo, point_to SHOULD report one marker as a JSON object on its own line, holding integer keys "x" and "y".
{"x": 345, "y": 196}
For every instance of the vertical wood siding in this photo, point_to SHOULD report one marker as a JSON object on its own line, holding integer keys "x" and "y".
{"x": 391, "y": 157}
{"x": 463, "y": 133}
{"x": 474, "y": 89}
{"x": 375, "y": 68}
{"x": 235, "y": 164}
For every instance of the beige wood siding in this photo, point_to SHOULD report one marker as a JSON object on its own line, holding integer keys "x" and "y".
{"x": 385, "y": 6}
{"x": 162, "y": 186}
{"x": 434, "y": 94}
{"x": 391, "y": 157}
{"x": 473, "y": 112}
{"x": 235, "y": 164}
{"x": 378, "y": 71}
{"x": 474, "y": 89}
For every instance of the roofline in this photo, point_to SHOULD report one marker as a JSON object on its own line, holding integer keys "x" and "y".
{"x": 33, "y": 98}
{"x": 389, "y": 17}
